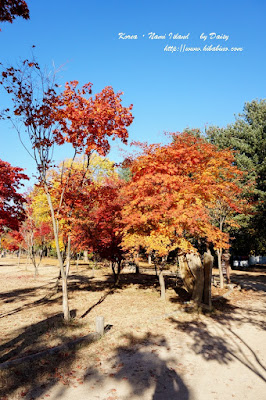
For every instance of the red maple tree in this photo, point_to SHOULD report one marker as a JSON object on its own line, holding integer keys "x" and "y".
{"x": 10, "y": 9}
{"x": 11, "y": 201}
{"x": 73, "y": 116}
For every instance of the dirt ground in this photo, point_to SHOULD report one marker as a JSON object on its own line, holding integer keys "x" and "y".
{"x": 151, "y": 350}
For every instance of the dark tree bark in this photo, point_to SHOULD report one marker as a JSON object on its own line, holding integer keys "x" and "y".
{"x": 116, "y": 275}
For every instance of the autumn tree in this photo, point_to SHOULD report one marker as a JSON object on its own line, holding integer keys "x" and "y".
{"x": 12, "y": 202}
{"x": 11, "y": 9}
{"x": 98, "y": 225}
{"x": 169, "y": 198}
{"x": 36, "y": 236}
{"x": 11, "y": 241}
{"x": 90, "y": 213}
{"x": 51, "y": 118}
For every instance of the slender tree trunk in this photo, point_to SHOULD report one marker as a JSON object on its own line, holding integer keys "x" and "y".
{"x": 115, "y": 275}
{"x": 162, "y": 283}
{"x": 207, "y": 265}
{"x": 137, "y": 264}
{"x": 65, "y": 298}
{"x": 118, "y": 267}
{"x": 226, "y": 258}
{"x": 33, "y": 261}
{"x": 60, "y": 260}
{"x": 77, "y": 260}
{"x": 68, "y": 255}
{"x": 219, "y": 255}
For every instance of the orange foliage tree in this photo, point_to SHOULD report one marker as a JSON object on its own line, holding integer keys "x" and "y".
{"x": 171, "y": 195}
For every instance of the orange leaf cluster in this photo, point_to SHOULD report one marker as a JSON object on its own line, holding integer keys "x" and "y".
{"x": 172, "y": 191}
{"x": 87, "y": 123}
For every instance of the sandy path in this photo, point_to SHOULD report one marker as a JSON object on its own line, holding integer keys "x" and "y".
{"x": 199, "y": 359}
{"x": 153, "y": 351}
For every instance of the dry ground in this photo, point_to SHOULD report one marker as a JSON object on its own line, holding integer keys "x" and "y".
{"x": 151, "y": 350}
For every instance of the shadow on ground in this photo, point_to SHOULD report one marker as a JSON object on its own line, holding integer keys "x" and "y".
{"x": 250, "y": 282}
{"x": 138, "y": 363}
{"x": 214, "y": 336}
{"x": 36, "y": 376}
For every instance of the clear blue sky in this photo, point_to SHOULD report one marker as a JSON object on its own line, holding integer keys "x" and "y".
{"x": 169, "y": 91}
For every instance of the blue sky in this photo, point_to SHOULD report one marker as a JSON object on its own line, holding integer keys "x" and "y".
{"x": 169, "y": 91}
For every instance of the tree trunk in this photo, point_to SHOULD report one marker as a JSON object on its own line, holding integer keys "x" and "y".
{"x": 219, "y": 254}
{"x": 115, "y": 275}
{"x": 207, "y": 265}
{"x": 226, "y": 259}
{"x": 59, "y": 257}
{"x": 196, "y": 269}
{"x": 33, "y": 261}
{"x": 162, "y": 284}
{"x": 118, "y": 267}
{"x": 77, "y": 260}
{"x": 149, "y": 259}
{"x": 65, "y": 298}
{"x": 185, "y": 273}
{"x": 68, "y": 255}
{"x": 137, "y": 264}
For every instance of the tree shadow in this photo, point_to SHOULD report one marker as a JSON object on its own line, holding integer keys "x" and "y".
{"x": 226, "y": 314}
{"x": 19, "y": 294}
{"x": 30, "y": 335}
{"x": 141, "y": 281}
{"x": 47, "y": 300}
{"x": 218, "y": 341}
{"x": 36, "y": 375}
{"x": 97, "y": 303}
{"x": 250, "y": 282}
{"x": 80, "y": 283}
{"x": 138, "y": 363}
